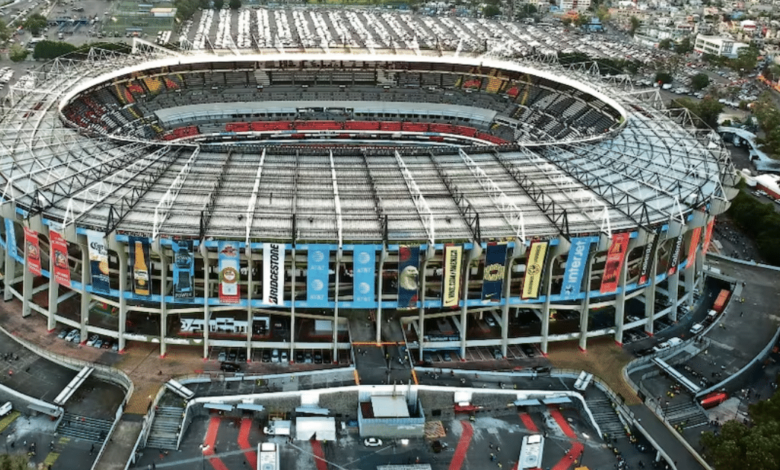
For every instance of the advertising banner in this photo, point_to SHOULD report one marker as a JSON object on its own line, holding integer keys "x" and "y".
{"x": 98, "y": 262}
{"x": 10, "y": 238}
{"x": 575, "y": 267}
{"x": 453, "y": 256}
{"x": 183, "y": 269}
{"x": 33, "y": 251}
{"x": 648, "y": 257}
{"x": 408, "y": 276}
{"x": 674, "y": 255}
{"x": 537, "y": 255}
{"x": 317, "y": 276}
{"x": 493, "y": 277}
{"x": 708, "y": 236}
{"x": 613, "y": 266}
{"x": 59, "y": 257}
{"x": 273, "y": 273}
{"x": 229, "y": 273}
{"x": 363, "y": 267}
{"x": 695, "y": 237}
{"x": 139, "y": 263}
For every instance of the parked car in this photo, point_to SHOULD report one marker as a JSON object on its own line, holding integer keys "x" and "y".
{"x": 63, "y": 333}
{"x": 529, "y": 351}
{"x": 275, "y": 355}
{"x": 299, "y": 357}
{"x": 497, "y": 354}
{"x": 71, "y": 335}
{"x": 284, "y": 357}
{"x": 447, "y": 357}
{"x": 230, "y": 367}
{"x": 222, "y": 357}
{"x": 318, "y": 358}
{"x": 308, "y": 359}
{"x": 92, "y": 339}
{"x": 696, "y": 328}
{"x": 106, "y": 345}
{"x": 242, "y": 356}
{"x": 266, "y": 357}
{"x": 98, "y": 343}
{"x": 490, "y": 320}
{"x": 372, "y": 442}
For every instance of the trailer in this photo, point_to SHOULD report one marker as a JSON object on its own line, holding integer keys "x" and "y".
{"x": 720, "y": 302}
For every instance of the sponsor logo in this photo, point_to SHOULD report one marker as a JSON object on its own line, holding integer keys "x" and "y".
{"x": 364, "y": 258}
{"x": 494, "y": 272}
{"x": 318, "y": 256}
{"x": 364, "y": 288}
{"x": 317, "y": 285}
{"x": 273, "y": 291}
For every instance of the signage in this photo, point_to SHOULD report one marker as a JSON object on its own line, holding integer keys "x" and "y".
{"x": 183, "y": 269}
{"x": 229, "y": 272}
{"x": 674, "y": 255}
{"x": 493, "y": 276}
{"x": 648, "y": 258}
{"x": 576, "y": 263}
{"x": 408, "y": 276}
{"x": 98, "y": 262}
{"x": 363, "y": 282}
{"x": 453, "y": 256}
{"x": 59, "y": 259}
{"x": 139, "y": 263}
{"x": 708, "y": 237}
{"x": 695, "y": 237}
{"x": 273, "y": 273}
{"x": 318, "y": 276}
{"x": 10, "y": 238}
{"x": 33, "y": 251}
{"x": 537, "y": 255}
{"x": 614, "y": 264}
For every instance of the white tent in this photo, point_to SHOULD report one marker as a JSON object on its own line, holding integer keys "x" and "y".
{"x": 319, "y": 428}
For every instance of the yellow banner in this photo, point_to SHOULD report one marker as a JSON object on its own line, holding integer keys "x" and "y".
{"x": 453, "y": 256}
{"x": 533, "y": 271}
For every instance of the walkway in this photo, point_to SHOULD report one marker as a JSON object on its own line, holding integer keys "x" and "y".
{"x": 666, "y": 439}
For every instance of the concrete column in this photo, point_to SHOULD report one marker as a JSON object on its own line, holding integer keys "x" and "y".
{"x": 620, "y": 298}
{"x": 673, "y": 283}
{"x": 122, "y": 255}
{"x": 423, "y": 286}
{"x": 206, "y": 308}
{"x": 464, "y": 297}
{"x": 163, "y": 303}
{"x": 293, "y": 286}
{"x": 505, "y": 294}
{"x": 27, "y": 288}
{"x": 54, "y": 290}
{"x": 690, "y": 273}
{"x": 86, "y": 297}
{"x": 650, "y": 295}
{"x": 546, "y": 305}
{"x": 382, "y": 257}
{"x": 249, "y": 313}
{"x": 336, "y": 307}
{"x": 585, "y": 307}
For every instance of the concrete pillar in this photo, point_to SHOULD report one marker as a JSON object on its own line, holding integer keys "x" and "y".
{"x": 464, "y": 296}
{"x": 249, "y": 313}
{"x": 650, "y": 295}
{"x": 673, "y": 283}
{"x": 27, "y": 288}
{"x": 620, "y": 299}
{"x": 293, "y": 287}
{"x": 379, "y": 278}
{"x": 505, "y": 294}
{"x": 690, "y": 272}
{"x": 163, "y": 303}
{"x": 546, "y": 306}
{"x": 428, "y": 255}
{"x": 336, "y": 307}
{"x": 206, "y": 291}
{"x": 585, "y": 307}
{"x": 86, "y": 297}
{"x": 54, "y": 290}
{"x": 123, "y": 273}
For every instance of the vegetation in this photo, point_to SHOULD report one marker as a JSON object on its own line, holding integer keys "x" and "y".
{"x": 663, "y": 78}
{"x": 35, "y": 23}
{"x": 13, "y": 462}
{"x": 760, "y": 221}
{"x": 746, "y": 60}
{"x": 582, "y": 20}
{"x": 566, "y": 22}
{"x": 635, "y": 24}
{"x": 700, "y": 81}
{"x": 186, "y": 8}
{"x": 490, "y": 11}
{"x": 526, "y": 10}
{"x": 665, "y": 44}
{"x": 707, "y": 110}
{"x": 768, "y": 117}
{"x": 685, "y": 46}
{"x": 17, "y": 53}
{"x": 218, "y": 4}
{"x": 234, "y": 4}
{"x": 602, "y": 13}
{"x": 5, "y": 33}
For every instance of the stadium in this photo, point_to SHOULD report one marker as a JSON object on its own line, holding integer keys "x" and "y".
{"x": 263, "y": 200}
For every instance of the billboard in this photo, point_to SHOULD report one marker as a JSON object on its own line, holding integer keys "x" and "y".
{"x": 532, "y": 282}
{"x": 493, "y": 277}
{"x": 708, "y": 237}
{"x": 10, "y": 238}
{"x": 183, "y": 269}
{"x": 139, "y": 263}
{"x": 98, "y": 262}
{"x": 648, "y": 258}
{"x": 229, "y": 273}
{"x": 317, "y": 275}
{"x": 695, "y": 237}
{"x": 363, "y": 281}
{"x": 33, "y": 251}
{"x": 674, "y": 255}
{"x": 453, "y": 256}
{"x": 576, "y": 263}
{"x": 59, "y": 257}
{"x": 614, "y": 264}
{"x": 273, "y": 273}
{"x": 408, "y": 276}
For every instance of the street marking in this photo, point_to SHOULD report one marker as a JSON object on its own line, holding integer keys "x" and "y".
{"x": 51, "y": 458}
{"x": 357, "y": 377}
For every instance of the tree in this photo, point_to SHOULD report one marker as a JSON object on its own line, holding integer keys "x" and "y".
{"x": 663, "y": 78}
{"x": 700, "y": 81}
{"x": 52, "y": 49}
{"x": 603, "y": 14}
{"x": 18, "y": 53}
{"x": 707, "y": 110}
{"x": 566, "y": 22}
{"x": 35, "y": 23}
{"x": 490, "y": 11}
{"x": 768, "y": 117}
{"x": 526, "y": 10}
{"x": 5, "y": 33}
{"x": 582, "y": 20}
{"x": 635, "y": 24}
{"x": 746, "y": 60}
{"x": 665, "y": 44}
{"x": 685, "y": 46}
{"x": 235, "y": 4}
{"x": 219, "y": 4}
{"x": 13, "y": 462}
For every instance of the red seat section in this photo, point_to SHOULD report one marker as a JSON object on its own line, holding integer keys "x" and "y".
{"x": 237, "y": 127}
{"x": 390, "y": 126}
{"x": 271, "y": 126}
{"x": 180, "y": 132}
{"x": 491, "y": 138}
{"x": 414, "y": 126}
{"x": 318, "y": 125}
{"x": 361, "y": 126}
{"x": 465, "y": 130}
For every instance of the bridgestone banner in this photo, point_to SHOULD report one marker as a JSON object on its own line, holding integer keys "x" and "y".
{"x": 537, "y": 255}
{"x": 615, "y": 257}
{"x": 59, "y": 259}
{"x": 98, "y": 262}
{"x": 139, "y": 264}
{"x": 408, "y": 276}
{"x": 273, "y": 273}
{"x": 695, "y": 237}
{"x": 674, "y": 256}
{"x": 576, "y": 263}
{"x": 647, "y": 269}
{"x": 363, "y": 268}
{"x": 183, "y": 270}
{"x": 493, "y": 276}
{"x": 708, "y": 237}
{"x": 317, "y": 276}
{"x": 453, "y": 256}
{"x": 229, "y": 273}
{"x": 33, "y": 251}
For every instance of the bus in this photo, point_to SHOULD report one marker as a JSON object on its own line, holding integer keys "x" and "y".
{"x": 267, "y": 456}
{"x": 531, "y": 452}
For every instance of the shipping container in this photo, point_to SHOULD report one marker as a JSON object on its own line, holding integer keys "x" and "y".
{"x": 720, "y": 302}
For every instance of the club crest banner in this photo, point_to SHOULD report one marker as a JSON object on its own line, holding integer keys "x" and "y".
{"x": 534, "y": 269}
{"x": 33, "y": 251}
{"x": 695, "y": 237}
{"x": 408, "y": 276}
{"x": 98, "y": 262}
{"x": 59, "y": 257}
{"x": 576, "y": 263}
{"x": 229, "y": 273}
{"x": 273, "y": 273}
{"x": 363, "y": 270}
{"x": 614, "y": 264}
{"x": 493, "y": 276}
{"x": 453, "y": 256}
{"x": 317, "y": 276}
{"x": 183, "y": 269}
{"x": 139, "y": 263}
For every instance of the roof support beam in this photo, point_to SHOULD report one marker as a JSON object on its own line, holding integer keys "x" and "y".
{"x": 208, "y": 209}
{"x": 250, "y": 209}
{"x": 336, "y": 197}
{"x": 425, "y": 213}
{"x": 465, "y": 208}
{"x": 166, "y": 202}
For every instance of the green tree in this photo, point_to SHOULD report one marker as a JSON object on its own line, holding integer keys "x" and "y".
{"x": 13, "y": 462}
{"x": 490, "y": 11}
{"x": 768, "y": 117}
{"x": 582, "y": 20}
{"x": 235, "y": 4}
{"x": 685, "y": 46}
{"x": 219, "y": 4}
{"x": 707, "y": 110}
{"x": 603, "y": 14}
{"x": 700, "y": 81}
{"x": 35, "y": 23}
{"x": 635, "y": 24}
{"x": 526, "y": 10}
{"x": 746, "y": 60}
{"x": 52, "y": 49}
{"x": 5, "y": 33}
{"x": 663, "y": 78}
{"x": 18, "y": 53}
{"x": 665, "y": 44}
{"x": 566, "y": 22}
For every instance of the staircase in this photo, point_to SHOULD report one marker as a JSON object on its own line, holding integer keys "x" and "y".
{"x": 688, "y": 413}
{"x": 166, "y": 428}
{"x": 82, "y": 427}
{"x": 606, "y": 416}
{"x": 262, "y": 78}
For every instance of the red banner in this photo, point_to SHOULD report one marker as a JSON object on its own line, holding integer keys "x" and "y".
{"x": 695, "y": 237}
{"x": 59, "y": 256}
{"x": 33, "y": 251}
{"x": 615, "y": 257}
{"x": 708, "y": 236}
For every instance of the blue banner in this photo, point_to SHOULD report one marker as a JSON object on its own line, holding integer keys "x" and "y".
{"x": 98, "y": 262}
{"x": 183, "y": 270}
{"x": 364, "y": 268}
{"x": 10, "y": 238}
{"x": 493, "y": 276}
{"x": 575, "y": 267}
{"x": 408, "y": 276}
{"x": 317, "y": 276}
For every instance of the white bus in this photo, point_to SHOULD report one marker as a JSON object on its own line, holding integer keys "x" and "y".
{"x": 267, "y": 456}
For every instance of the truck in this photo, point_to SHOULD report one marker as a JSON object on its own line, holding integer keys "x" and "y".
{"x": 720, "y": 302}
{"x": 268, "y": 456}
{"x": 278, "y": 428}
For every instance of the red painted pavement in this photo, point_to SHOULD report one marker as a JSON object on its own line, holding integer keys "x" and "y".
{"x": 463, "y": 446}
{"x": 211, "y": 439}
{"x": 568, "y": 460}
{"x": 528, "y": 422}
{"x": 562, "y": 422}
{"x": 243, "y": 442}
{"x": 316, "y": 447}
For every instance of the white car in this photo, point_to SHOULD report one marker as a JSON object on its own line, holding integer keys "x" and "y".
{"x": 372, "y": 442}
{"x": 696, "y": 328}
{"x": 71, "y": 335}
{"x": 92, "y": 339}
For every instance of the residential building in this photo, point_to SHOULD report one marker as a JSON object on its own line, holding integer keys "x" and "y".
{"x": 717, "y": 45}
